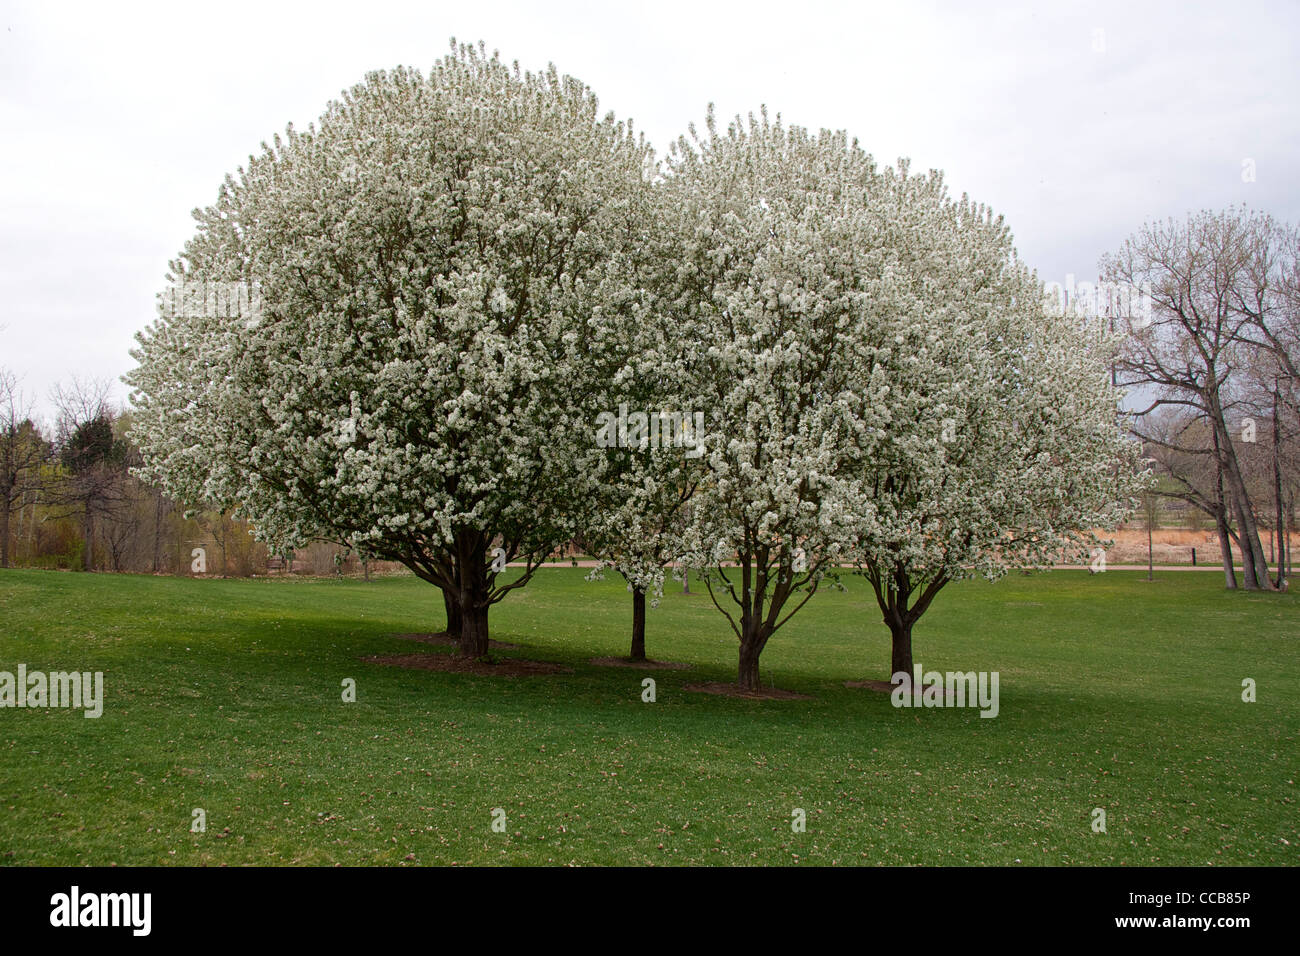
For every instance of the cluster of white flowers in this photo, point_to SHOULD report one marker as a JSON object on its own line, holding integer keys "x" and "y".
{"x": 434, "y": 258}
{"x": 459, "y": 272}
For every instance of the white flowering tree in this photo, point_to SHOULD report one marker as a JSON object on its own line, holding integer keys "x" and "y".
{"x": 772, "y": 276}
{"x": 647, "y": 431}
{"x": 639, "y": 515}
{"x": 885, "y": 388}
{"x": 639, "y": 534}
{"x": 1000, "y": 440}
{"x": 435, "y": 258}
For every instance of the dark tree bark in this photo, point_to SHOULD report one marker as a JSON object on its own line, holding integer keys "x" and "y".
{"x": 1254, "y": 564}
{"x": 900, "y": 656}
{"x": 765, "y": 587}
{"x": 471, "y": 562}
{"x": 1221, "y": 521}
{"x": 1280, "y": 582}
{"x": 452, "y": 607}
{"x": 4, "y": 527}
{"x": 895, "y": 591}
{"x": 465, "y": 574}
{"x": 88, "y": 532}
{"x": 753, "y": 640}
{"x": 473, "y": 631}
{"x": 638, "y": 624}
{"x": 157, "y": 532}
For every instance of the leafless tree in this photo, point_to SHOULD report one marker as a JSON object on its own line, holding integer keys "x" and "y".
{"x": 21, "y": 452}
{"x": 1203, "y": 275}
{"x": 92, "y": 477}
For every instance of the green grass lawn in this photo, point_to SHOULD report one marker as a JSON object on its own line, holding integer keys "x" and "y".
{"x": 226, "y": 696}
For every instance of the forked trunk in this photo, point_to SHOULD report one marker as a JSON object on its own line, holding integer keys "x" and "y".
{"x": 1254, "y": 566}
{"x": 754, "y": 636}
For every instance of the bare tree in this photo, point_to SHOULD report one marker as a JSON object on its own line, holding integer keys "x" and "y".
{"x": 1181, "y": 446}
{"x": 92, "y": 459}
{"x": 1268, "y": 300}
{"x": 1201, "y": 272}
{"x": 21, "y": 451}
{"x": 1270, "y": 306}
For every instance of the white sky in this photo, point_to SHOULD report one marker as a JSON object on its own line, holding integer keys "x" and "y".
{"x": 117, "y": 119}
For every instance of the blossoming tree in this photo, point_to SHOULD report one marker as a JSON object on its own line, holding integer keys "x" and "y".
{"x": 885, "y": 385}
{"x": 775, "y": 230}
{"x": 1000, "y": 439}
{"x": 435, "y": 260}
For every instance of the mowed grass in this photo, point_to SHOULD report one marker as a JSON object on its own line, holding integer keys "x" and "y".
{"x": 226, "y": 695}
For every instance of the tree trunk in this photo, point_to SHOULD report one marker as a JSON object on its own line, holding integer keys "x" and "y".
{"x": 473, "y": 631}
{"x": 748, "y": 676}
{"x": 1254, "y": 565}
{"x": 900, "y": 658}
{"x": 1250, "y": 561}
{"x": 1150, "y": 560}
{"x": 1221, "y": 521}
{"x": 452, "y": 607}
{"x": 754, "y": 635}
{"x": 475, "y": 586}
{"x": 638, "y": 625}
{"x": 1290, "y": 565}
{"x": 36, "y": 500}
{"x": 157, "y": 532}
{"x": 4, "y": 532}
{"x": 88, "y": 532}
{"x": 1225, "y": 550}
{"x": 1277, "y": 498}
{"x": 1252, "y": 551}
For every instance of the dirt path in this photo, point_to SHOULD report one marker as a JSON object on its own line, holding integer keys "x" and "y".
{"x": 1110, "y": 566}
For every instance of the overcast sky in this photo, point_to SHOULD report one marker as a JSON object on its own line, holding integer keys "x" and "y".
{"x": 1077, "y": 121}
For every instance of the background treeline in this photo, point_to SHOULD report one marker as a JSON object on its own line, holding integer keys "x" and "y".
{"x": 64, "y": 485}
{"x": 69, "y": 501}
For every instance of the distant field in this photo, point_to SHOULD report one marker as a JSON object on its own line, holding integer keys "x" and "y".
{"x": 225, "y": 695}
{"x": 1170, "y": 546}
